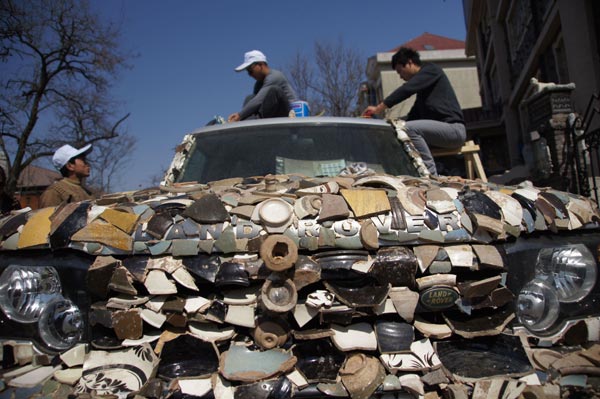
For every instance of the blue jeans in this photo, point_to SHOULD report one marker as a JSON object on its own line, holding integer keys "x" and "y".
{"x": 425, "y": 133}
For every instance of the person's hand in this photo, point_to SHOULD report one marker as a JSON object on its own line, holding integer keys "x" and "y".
{"x": 234, "y": 118}
{"x": 374, "y": 110}
{"x": 369, "y": 111}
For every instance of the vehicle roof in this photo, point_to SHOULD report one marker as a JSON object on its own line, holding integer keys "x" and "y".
{"x": 309, "y": 120}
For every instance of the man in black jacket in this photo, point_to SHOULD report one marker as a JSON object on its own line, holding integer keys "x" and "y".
{"x": 436, "y": 118}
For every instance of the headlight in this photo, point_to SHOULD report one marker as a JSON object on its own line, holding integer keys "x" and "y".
{"x": 537, "y": 305}
{"x": 25, "y": 290}
{"x": 61, "y": 324}
{"x": 31, "y": 294}
{"x": 572, "y": 271}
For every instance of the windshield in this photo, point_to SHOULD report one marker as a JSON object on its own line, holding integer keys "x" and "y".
{"x": 311, "y": 149}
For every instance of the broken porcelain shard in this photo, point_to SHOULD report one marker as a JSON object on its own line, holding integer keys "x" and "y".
{"x": 394, "y": 337}
{"x": 358, "y": 293}
{"x": 279, "y": 252}
{"x": 117, "y": 372}
{"x": 318, "y": 360}
{"x": 488, "y": 357}
{"x": 187, "y": 356}
{"x": 279, "y": 295}
{"x": 361, "y": 375}
{"x": 239, "y": 363}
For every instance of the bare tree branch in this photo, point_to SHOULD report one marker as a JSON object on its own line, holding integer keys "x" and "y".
{"x": 59, "y": 60}
{"x": 330, "y": 83}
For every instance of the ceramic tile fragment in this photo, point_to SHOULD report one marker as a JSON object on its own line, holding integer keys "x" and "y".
{"x": 303, "y": 314}
{"x": 157, "y": 283}
{"x": 309, "y": 205}
{"x": 274, "y": 214}
{"x": 158, "y": 225}
{"x": 74, "y": 356}
{"x": 511, "y": 209}
{"x": 208, "y": 210}
{"x": 210, "y": 332}
{"x": 405, "y": 301}
{"x": 12, "y": 223}
{"x": 183, "y": 277}
{"x": 127, "y": 324}
{"x": 327, "y": 188}
{"x": 478, "y": 326}
{"x": 366, "y": 202}
{"x": 153, "y": 318}
{"x": 421, "y": 357}
{"x": 182, "y": 355}
{"x": 405, "y": 196}
{"x": 432, "y": 330}
{"x": 318, "y": 360}
{"x": 479, "y": 288}
{"x": 412, "y": 383}
{"x": 437, "y": 279}
{"x": 33, "y": 378}
{"x": 145, "y": 339}
{"x": 122, "y": 281}
{"x": 195, "y": 386}
{"x": 360, "y": 336}
{"x": 440, "y": 201}
{"x": 393, "y": 337}
{"x": 333, "y": 389}
{"x": 498, "y": 388}
{"x": 99, "y": 275}
{"x": 369, "y": 235}
{"x": 68, "y": 376}
{"x": 241, "y": 296}
{"x": 184, "y": 247}
{"x": 36, "y": 230}
{"x": 106, "y": 234}
{"x": 489, "y": 256}
{"x": 489, "y": 224}
{"x": 425, "y": 255}
{"x": 241, "y": 315}
{"x": 222, "y": 389}
{"x": 123, "y": 220}
{"x": 297, "y": 379}
{"x": 361, "y": 375}
{"x": 109, "y": 373}
{"x": 242, "y": 364}
{"x": 333, "y": 207}
{"x": 460, "y": 255}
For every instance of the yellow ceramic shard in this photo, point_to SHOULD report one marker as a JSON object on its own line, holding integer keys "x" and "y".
{"x": 36, "y": 230}
{"x": 367, "y": 202}
{"x": 123, "y": 220}
{"x": 104, "y": 233}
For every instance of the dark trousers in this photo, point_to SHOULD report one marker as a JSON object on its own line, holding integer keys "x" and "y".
{"x": 274, "y": 105}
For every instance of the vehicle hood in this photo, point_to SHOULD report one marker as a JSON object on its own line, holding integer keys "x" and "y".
{"x": 351, "y": 212}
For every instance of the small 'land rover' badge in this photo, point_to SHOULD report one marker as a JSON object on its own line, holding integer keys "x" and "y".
{"x": 439, "y": 297}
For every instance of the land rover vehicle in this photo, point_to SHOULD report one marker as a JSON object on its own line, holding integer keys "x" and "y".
{"x": 305, "y": 257}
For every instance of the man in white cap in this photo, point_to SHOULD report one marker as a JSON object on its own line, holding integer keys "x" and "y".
{"x": 272, "y": 93}
{"x": 73, "y": 166}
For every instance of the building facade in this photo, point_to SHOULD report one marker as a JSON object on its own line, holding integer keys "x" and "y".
{"x": 515, "y": 41}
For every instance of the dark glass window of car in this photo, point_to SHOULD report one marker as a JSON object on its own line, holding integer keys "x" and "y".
{"x": 311, "y": 150}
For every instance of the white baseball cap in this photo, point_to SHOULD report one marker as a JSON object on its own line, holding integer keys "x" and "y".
{"x": 65, "y": 153}
{"x": 250, "y": 58}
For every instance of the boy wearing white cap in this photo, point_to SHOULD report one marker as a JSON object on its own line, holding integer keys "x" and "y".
{"x": 272, "y": 95}
{"x": 73, "y": 166}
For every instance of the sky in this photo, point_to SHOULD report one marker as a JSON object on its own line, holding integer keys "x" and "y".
{"x": 186, "y": 51}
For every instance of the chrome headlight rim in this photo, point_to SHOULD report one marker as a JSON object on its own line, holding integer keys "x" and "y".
{"x": 61, "y": 324}
{"x": 25, "y": 290}
{"x": 537, "y": 306}
{"x": 571, "y": 269}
